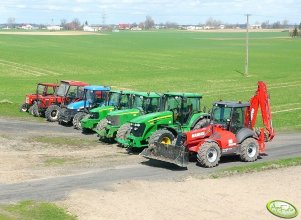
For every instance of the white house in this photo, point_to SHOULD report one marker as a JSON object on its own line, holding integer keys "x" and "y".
{"x": 54, "y": 28}
{"x": 26, "y": 27}
{"x": 91, "y": 29}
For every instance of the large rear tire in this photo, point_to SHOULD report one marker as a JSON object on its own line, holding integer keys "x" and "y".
{"x": 249, "y": 150}
{"x": 52, "y": 112}
{"x": 209, "y": 154}
{"x": 77, "y": 118}
{"x": 201, "y": 124}
{"x": 162, "y": 136}
{"x": 30, "y": 110}
{"x": 124, "y": 131}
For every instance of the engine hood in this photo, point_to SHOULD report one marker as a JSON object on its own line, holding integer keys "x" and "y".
{"x": 133, "y": 111}
{"x": 78, "y": 105}
{"x": 153, "y": 117}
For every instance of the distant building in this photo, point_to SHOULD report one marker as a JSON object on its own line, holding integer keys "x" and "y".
{"x": 27, "y": 27}
{"x": 222, "y": 26}
{"x": 136, "y": 29}
{"x": 91, "y": 29}
{"x": 54, "y": 28}
{"x": 124, "y": 26}
{"x": 255, "y": 26}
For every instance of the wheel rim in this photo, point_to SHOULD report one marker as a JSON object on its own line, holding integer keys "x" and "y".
{"x": 212, "y": 155}
{"x": 54, "y": 113}
{"x": 251, "y": 150}
{"x": 165, "y": 140}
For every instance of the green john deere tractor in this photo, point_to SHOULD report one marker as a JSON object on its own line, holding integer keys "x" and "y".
{"x": 117, "y": 100}
{"x": 181, "y": 112}
{"x": 116, "y": 123}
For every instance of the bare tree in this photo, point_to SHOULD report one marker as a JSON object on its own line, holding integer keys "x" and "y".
{"x": 285, "y": 23}
{"x": 149, "y": 22}
{"x": 64, "y": 23}
{"x": 265, "y": 24}
{"x": 171, "y": 24}
{"x": 11, "y": 22}
{"x": 213, "y": 23}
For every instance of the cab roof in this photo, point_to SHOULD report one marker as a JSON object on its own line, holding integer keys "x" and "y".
{"x": 97, "y": 88}
{"x": 184, "y": 94}
{"x": 232, "y": 104}
{"x": 74, "y": 83}
{"x": 148, "y": 94}
{"x": 48, "y": 84}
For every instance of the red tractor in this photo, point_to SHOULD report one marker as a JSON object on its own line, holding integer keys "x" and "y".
{"x": 67, "y": 92}
{"x": 44, "y": 90}
{"x": 231, "y": 131}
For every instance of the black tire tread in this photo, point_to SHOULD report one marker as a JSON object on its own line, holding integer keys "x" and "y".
{"x": 156, "y": 135}
{"x": 202, "y": 155}
{"x": 48, "y": 113}
{"x": 243, "y": 150}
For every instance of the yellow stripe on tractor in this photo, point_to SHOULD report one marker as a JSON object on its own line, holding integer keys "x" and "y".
{"x": 167, "y": 116}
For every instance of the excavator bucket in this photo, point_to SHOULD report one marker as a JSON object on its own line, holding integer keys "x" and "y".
{"x": 176, "y": 154}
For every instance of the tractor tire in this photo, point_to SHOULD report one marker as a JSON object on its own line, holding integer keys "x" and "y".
{"x": 24, "y": 107}
{"x": 52, "y": 113}
{"x": 209, "y": 154}
{"x": 35, "y": 110}
{"x": 30, "y": 110}
{"x": 77, "y": 118}
{"x": 201, "y": 124}
{"x": 161, "y": 136}
{"x": 249, "y": 150}
{"x": 101, "y": 124}
{"x": 124, "y": 131}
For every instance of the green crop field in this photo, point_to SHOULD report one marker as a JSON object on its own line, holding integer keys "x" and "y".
{"x": 209, "y": 63}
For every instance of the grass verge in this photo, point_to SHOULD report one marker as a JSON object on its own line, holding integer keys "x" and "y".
{"x": 32, "y": 210}
{"x": 257, "y": 167}
{"x": 74, "y": 141}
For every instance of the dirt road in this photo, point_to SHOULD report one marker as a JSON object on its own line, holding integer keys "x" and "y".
{"x": 33, "y": 166}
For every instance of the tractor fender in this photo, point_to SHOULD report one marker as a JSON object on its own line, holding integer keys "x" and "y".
{"x": 172, "y": 130}
{"x": 207, "y": 116}
{"x": 245, "y": 133}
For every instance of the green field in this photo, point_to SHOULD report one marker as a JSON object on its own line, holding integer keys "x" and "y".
{"x": 209, "y": 63}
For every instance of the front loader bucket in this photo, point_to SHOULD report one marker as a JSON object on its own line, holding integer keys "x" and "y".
{"x": 170, "y": 153}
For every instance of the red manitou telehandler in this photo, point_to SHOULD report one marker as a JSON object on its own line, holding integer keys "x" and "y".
{"x": 231, "y": 131}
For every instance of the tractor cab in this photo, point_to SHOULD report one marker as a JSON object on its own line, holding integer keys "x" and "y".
{"x": 92, "y": 96}
{"x": 142, "y": 103}
{"x": 71, "y": 91}
{"x": 183, "y": 106}
{"x": 230, "y": 115}
{"x": 45, "y": 89}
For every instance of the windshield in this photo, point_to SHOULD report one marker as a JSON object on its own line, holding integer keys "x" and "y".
{"x": 41, "y": 89}
{"x": 125, "y": 101}
{"x": 62, "y": 90}
{"x": 138, "y": 101}
{"x": 173, "y": 102}
{"x": 151, "y": 104}
{"x": 220, "y": 114}
{"x": 114, "y": 98}
{"x": 90, "y": 96}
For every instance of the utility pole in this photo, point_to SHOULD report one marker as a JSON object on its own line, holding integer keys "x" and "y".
{"x": 247, "y": 47}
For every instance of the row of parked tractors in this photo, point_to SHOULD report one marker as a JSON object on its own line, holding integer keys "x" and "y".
{"x": 159, "y": 123}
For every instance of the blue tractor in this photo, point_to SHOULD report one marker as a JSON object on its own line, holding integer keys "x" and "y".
{"x": 94, "y": 96}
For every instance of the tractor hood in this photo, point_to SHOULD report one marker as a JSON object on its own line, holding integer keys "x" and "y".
{"x": 133, "y": 112}
{"x": 153, "y": 117}
{"x": 78, "y": 105}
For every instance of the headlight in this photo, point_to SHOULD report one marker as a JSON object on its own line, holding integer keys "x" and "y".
{"x": 109, "y": 122}
{"x": 137, "y": 125}
{"x": 27, "y": 100}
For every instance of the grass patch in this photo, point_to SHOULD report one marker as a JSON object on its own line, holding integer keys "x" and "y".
{"x": 55, "y": 161}
{"x": 32, "y": 210}
{"x": 257, "y": 167}
{"x": 208, "y": 63}
{"x": 66, "y": 141}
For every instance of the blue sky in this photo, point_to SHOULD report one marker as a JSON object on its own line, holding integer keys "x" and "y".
{"x": 129, "y": 11}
